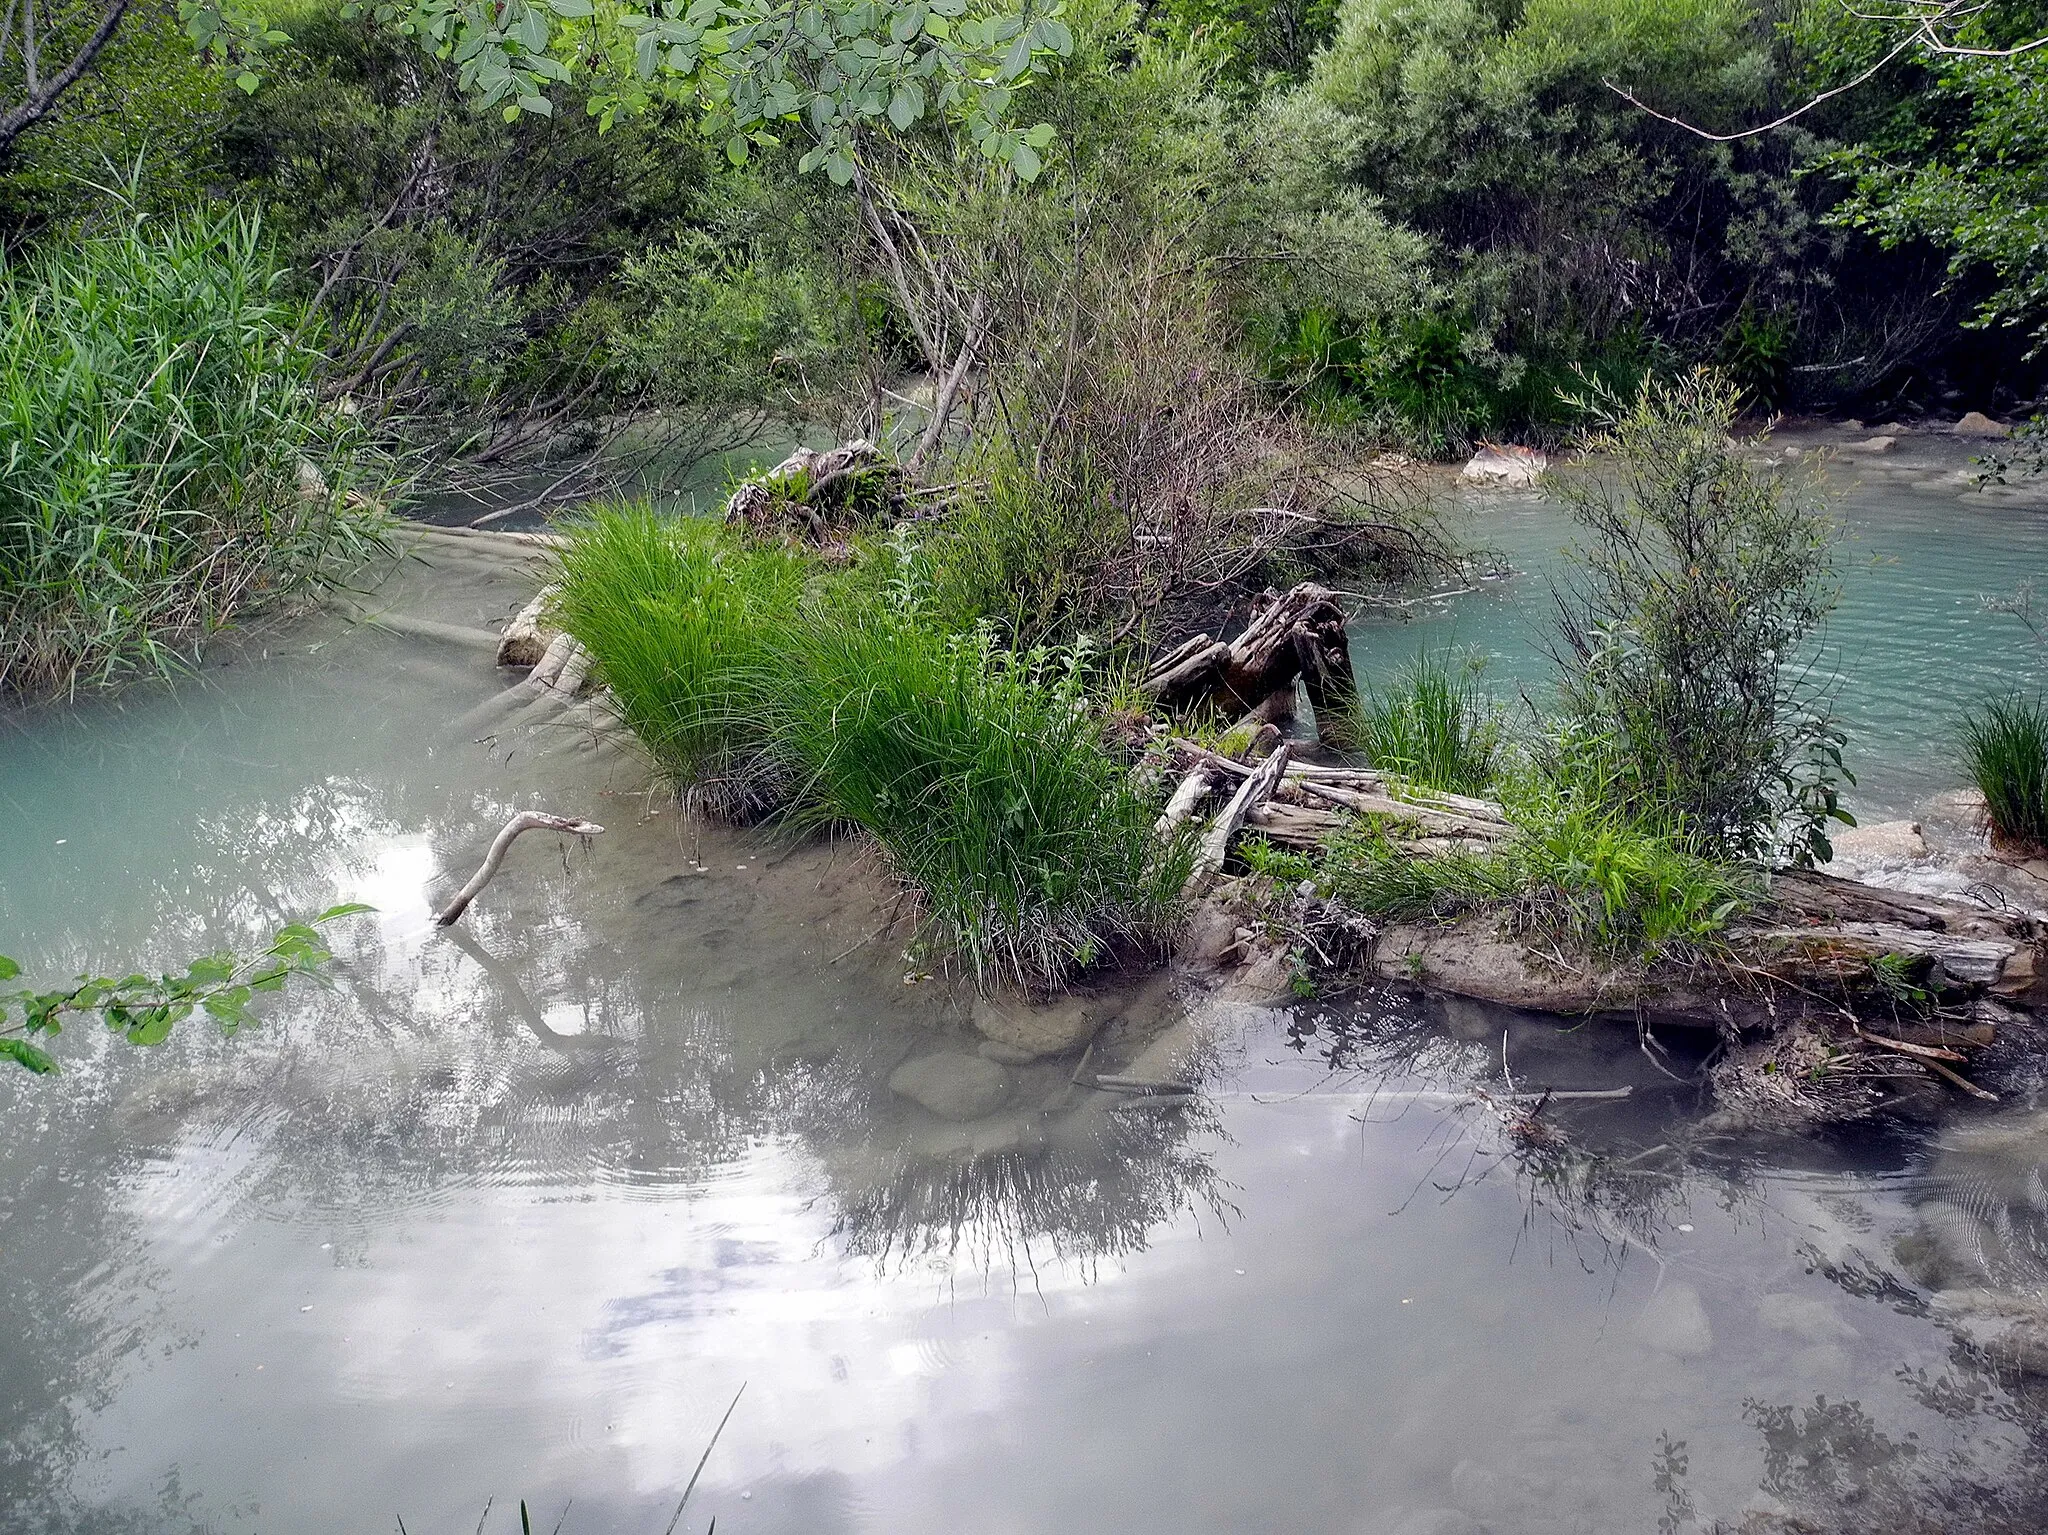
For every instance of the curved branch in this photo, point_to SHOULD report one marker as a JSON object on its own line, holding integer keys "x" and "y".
{"x": 526, "y": 820}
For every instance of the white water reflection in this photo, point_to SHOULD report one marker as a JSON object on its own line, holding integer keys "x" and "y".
{"x": 515, "y": 1209}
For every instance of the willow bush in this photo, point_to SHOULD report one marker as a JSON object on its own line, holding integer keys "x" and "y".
{"x": 158, "y": 400}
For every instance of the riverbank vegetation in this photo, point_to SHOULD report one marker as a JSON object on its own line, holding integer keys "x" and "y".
{"x": 169, "y": 461}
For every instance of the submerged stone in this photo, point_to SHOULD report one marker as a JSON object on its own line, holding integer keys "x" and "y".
{"x": 1977, "y": 424}
{"x": 953, "y": 1086}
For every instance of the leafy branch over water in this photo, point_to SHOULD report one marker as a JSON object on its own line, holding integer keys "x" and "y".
{"x": 143, "y": 1009}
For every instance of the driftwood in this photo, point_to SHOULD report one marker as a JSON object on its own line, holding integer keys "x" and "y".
{"x": 527, "y": 638}
{"x": 1190, "y": 793}
{"x": 1293, "y": 636}
{"x": 525, "y": 821}
{"x": 813, "y": 494}
{"x": 1215, "y": 844}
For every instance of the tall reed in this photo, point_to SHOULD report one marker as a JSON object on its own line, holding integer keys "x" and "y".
{"x": 983, "y": 775}
{"x": 2005, "y": 748}
{"x": 688, "y": 626}
{"x": 157, "y": 402}
{"x": 1433, "y": 724}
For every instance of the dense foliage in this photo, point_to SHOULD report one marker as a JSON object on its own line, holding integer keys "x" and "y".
{"x": 168, "y": 460}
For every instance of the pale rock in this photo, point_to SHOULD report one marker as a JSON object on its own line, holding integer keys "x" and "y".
{"x": 1852, "y": 425}
{"x": 1430, "y": 1521}
{"x": 1977, "y": 424}
{"x": 1477, "y": 1490}
{"x": 1267, "y": 980}
{"x": 1208, "y": 935}
{"x": 1674, "y": 1322}
{"x": 953, "y": 1086}
{"x": 1805, "y": 1317}
{"x": 312, "y": 483}
{"x": 1874, "y": 445}
{"x": 1511, "y": 466}
{"x": 1881, "y": 841}
{"x": 1054, "y": 1029}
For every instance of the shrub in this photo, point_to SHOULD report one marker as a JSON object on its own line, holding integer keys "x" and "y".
{"x": 689, "y": 626}
{"x": 1432, "y": 725}
{"x": 2005, "y": 748}
{"x": 983, "y": 776}
{"x": 1684, "y": 632}
{"x": 1577, "y": 873}
{"x": 157, "y": 402}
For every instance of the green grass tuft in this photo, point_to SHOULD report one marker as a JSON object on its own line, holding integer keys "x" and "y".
{"x": 1433, "y": 725}
{"x": 688, "y": 625}
{"x": 2005, "y": 748}
{"x": 982, "y": 774}
{"x": 984, "y": 777}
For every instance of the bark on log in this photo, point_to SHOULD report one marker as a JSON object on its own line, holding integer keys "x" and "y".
{"x": 525, "y": 821}
{"x": 527, "y": 637}
{"x": 1322, "y": 647}
{"x": 1192, "y": 790}
{"x": 1215, "y": 845}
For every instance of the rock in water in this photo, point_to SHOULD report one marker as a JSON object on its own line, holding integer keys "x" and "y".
{"x": 1977, "y": 424}
{"x": 1882, "y": 444}
{"x": 1056, "y": 1029}
{"x": 1881, "y": 841}
{"x": 952, "y": 1086}
{"x": 1675, "y": 1322}
{"x": 1510, "y": 465}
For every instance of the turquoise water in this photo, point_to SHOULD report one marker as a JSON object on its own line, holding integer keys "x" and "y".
{"x": 519, "y": 1209}
{"x": 1910, "y": 643}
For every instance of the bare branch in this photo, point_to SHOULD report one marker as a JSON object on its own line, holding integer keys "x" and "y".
{"x": 41, "y": 98}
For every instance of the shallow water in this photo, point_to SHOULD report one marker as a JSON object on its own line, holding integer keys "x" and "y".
{"x": 516, "y": 1210}
{"x": 1911, "y": 642}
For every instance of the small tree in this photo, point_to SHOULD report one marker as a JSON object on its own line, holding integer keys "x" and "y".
{"x": 1684, "y": 629}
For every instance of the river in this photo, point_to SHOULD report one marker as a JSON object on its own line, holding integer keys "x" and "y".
{"x": 520, "y": 1210}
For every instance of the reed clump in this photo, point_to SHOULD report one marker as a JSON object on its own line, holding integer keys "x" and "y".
{"x": 168, "y": 461}
{"x": 2005, "y": 749}
{"x": 981, "y": 774}
{"x": 1432, "y": 724}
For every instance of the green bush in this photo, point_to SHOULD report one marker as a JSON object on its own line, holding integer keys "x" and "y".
{"x": 2005, "y": 748}
{"x": 157, "y": 402}
{"x": 1686, "y": 630}
{"x": 688, "y": 625}
{"x": 1433, "y": 725}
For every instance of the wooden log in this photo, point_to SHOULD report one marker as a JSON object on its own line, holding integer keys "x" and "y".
{"x": 1188, "y": 795}
{"x": 1215, "y": 844}
{"x": 1189, "y": 677}
{"x": 527, "y": 637}
{"x": 1322, "y": 646}
{"x": 1295, "y": 825}
{"x": 1172, "y": 658}
{"x": 1847, "y": 948}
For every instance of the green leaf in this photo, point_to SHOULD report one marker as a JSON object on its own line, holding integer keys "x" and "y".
{"x": 736, "y": 149}
{"x": 247, "y": 82}
{"x": 572, "y": 10}
{"x": 349, "y": 909}
{"x": 8, "y": 968}
{"x": 151, "y": 1027}
{"x": 906, "y": 106}
{"x": 539, "y": 106}
{"x": 22, "y": 1053}
{"x": 1025, "y": 162}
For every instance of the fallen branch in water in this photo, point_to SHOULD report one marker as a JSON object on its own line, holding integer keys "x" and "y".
{"x": 526, "y": 820}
